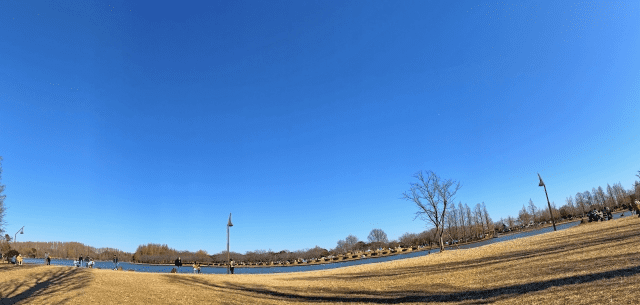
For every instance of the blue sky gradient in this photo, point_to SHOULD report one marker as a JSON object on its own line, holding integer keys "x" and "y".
{"x": 130, "y": 123}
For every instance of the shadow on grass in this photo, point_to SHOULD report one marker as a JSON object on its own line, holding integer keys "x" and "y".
{"x": 555, "y": 246}
{"x": 12, "y": 267}
{"x": 472, "y": 296}
{"x": 44, "y": 285}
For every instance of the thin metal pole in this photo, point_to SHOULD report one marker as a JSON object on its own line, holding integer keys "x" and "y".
{"x": 15, "y": 236}
{"x": 550, "y": 212}
{"x": 228, "y": 257}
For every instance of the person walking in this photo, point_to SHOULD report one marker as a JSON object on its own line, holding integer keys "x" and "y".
{"x": 115, "y": 262}
{"x": 232, "y": 266}
{"x": 80, "y": 260}
{"x": 195, "y": 267}
{"x": 46, "y": 258}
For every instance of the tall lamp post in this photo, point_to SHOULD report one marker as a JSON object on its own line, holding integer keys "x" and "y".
{"x": 545, "y": 192}
{"x": 21, "y": 231}
{"x": 229, "y": 224}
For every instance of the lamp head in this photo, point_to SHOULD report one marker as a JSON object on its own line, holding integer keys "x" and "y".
{"x": 541, "y": 182}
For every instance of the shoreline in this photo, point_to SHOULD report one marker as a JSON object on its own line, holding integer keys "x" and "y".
{"x": 592, "y": 264}
{"x": 388, "y": 252}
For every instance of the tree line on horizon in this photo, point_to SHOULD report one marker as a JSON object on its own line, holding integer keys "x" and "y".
{"x": 432, "y": 194}
{"x": 615, "y": 197}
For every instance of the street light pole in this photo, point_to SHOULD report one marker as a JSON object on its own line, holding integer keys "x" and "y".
{"x": 229, "y": 224}
{"x": 21, "y": 231}
{"x": 545, "y": 192}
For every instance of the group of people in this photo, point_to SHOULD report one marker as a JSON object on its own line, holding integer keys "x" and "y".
{"x": 196, "y": 265}
{"x": 90, "y": 262}
{"x": 595, "y": 215}
{"x": 81, "y": 260}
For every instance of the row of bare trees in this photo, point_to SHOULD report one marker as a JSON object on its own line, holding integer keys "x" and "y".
{"x": 271, "y": 256}
{"x": 614, "y": 197}
{"x": 65, "y": 250}
{"x": 466, "y": 224}
{"x": 434, "y": 198}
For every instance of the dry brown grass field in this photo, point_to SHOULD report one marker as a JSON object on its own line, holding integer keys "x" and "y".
{"x": 595, "y": 263}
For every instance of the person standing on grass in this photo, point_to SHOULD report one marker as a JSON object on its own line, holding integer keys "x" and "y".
{"x": 19, "y": 259}
{"x": 178, "y": 262}
{"x": 80, "y": 260}
{"x": 115, "y": 262}
{"x": 232, "y": 266}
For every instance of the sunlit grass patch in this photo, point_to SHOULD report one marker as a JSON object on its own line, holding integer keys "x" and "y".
{"x": 589, "y": 264}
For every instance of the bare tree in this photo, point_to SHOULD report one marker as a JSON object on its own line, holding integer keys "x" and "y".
{"x": 611, "y": 197}
{"x": 432, "y": 195}
{"x": 636, "y": 187}
{"x": 462, "y": 220}
{"x": 477, "y": 215}
{"x": 487, "y": 219}
{"x": 523, "y": 216}
{"x": 351, "y": 240}
{"x": 452, "y": 223}
{"x": 588, "y": 199}
{"x": 570, "y": 206}
{"x": 621, "y": 194}
{"x": 533, "y": 210}
{"x": 377, "y": 236}
{"x": 409, "y": 239}
{"x": 511, "y": 222}
{"x": 599, "y": 197}
{"x": 341, "y": 247}
{"x": 580, "y": 202}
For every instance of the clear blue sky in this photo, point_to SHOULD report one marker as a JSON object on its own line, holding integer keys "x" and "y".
{"x": 130, "y": 123}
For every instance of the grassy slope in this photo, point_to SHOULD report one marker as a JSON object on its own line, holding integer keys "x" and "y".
{"x": 597, "y": 263}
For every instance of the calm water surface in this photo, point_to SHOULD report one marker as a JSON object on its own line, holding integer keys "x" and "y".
{"x": 261, "y": 270}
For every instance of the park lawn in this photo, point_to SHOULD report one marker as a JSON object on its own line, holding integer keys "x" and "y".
{"x": 594, "y": 263}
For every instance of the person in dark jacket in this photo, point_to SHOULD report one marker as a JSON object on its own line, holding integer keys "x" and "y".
{"x": 80, "y": 260}
{"x": 178, "y": 262}
{"x": 115, "y": 262}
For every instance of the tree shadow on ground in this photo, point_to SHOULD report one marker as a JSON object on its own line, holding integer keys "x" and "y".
{"x": 12, "y": 267}
{"x": 482, "y": 296}
{"x": 45, "y": 285}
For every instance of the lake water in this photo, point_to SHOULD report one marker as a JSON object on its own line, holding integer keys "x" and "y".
{"x": 281, "y": 269}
